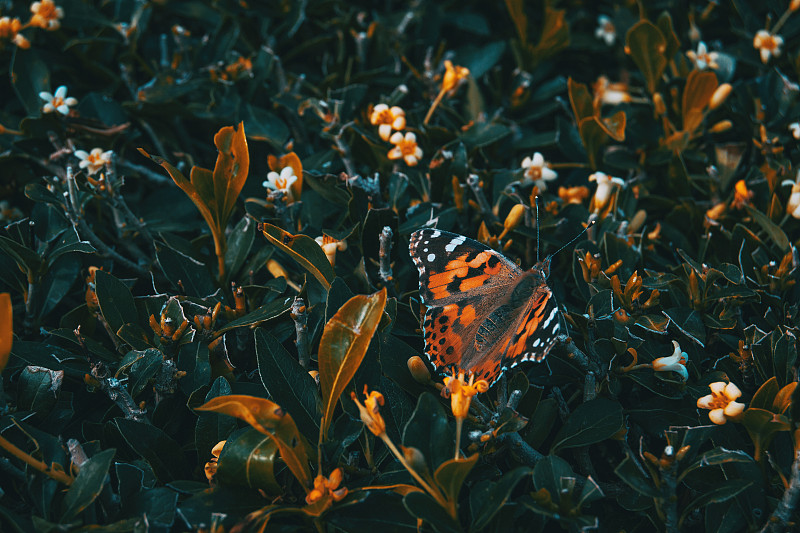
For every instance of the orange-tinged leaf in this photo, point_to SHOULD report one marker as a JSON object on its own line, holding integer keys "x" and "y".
{"x": 594, "y": 136}
{"x": 304, "y": 250}
{"x": 646, "y": 45}
{"x": 343, "y": 346}
{"x": 700, "y": 86}
{"x": 614, "y": 125}
{"x": 516, "y": 10}
{"x": 231, "y": 169}
{"x": 580, "y": 99}
{"x": 268, "y": 418}
{"x": 451, "y": 474}
{"x": 399, "y": 488}
{"x": 555, "y": 34}
{"x": 783, "y": 399}
{"x": 6, "y": 329}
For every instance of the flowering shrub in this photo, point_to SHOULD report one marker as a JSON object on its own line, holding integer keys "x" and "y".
{"x": 210, "y": 321}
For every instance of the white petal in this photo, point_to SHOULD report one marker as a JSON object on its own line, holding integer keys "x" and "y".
{"x": 549, "y": 174}
{"x": 397, "y": 111}
{"x": 705, "y": 402}
{"x": 396, "y": 138}
{"x": 717, "y": 387}
{"x": 61, "y": 92}
{"x": 63, "y": 109}
{"x": 527, "y": 162}
{"x": 734, "y": 409}
{"x": 410, "y": 160}
{"x": 732, "y": 391}
{"x": 385, "y": 131}
{"x": 71, "y": 101}
{"x": 538, "y": 159}
{"x": 717, "y": 416}
{"x": 380, "y": 108}
{"x": 47, "y": 97}
{"x": 411, "y": 137}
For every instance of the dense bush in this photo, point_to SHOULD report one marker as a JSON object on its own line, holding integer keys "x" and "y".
{"x": 217, "y": 324}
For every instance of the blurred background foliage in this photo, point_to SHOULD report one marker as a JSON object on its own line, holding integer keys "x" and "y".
{"x": 209, "y": 319}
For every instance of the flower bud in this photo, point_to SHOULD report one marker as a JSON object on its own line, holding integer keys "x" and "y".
{"x": 418, "y": 370}
{"x": 720, "y": 95}
{"x": 722, "y": 125}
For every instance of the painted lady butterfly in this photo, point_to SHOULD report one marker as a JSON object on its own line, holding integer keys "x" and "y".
{"x": 485, "y": 314}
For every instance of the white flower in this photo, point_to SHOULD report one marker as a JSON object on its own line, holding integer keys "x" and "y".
{"x": 721, "y": 402}
{"x": 330, "y": 246}
{"x": 94, "y": 160}
{"x": 405, "y": 147}
{"x": 794, "y": 127}
{"x": 610, "y": 93}
{"x": 387, "y": 119}
{"x": 536, "y": 170}
{"x": 280, "y": 182}
{"x": 793, "y": 205}
{"x": 675, "y": 362}
{"x": 767, "y": 44}
{"x": 57, "y": 102}
{"x": 703, "y": 59}
{"x": 605, "y": 187}
{"x": 605, "y": 30}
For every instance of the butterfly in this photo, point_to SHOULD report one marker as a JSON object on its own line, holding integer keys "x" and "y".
{"x": 484, "y": 313}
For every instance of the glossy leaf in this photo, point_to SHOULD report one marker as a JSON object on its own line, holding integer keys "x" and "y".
{"x": 700, "y": 86}
{"x": 451, "y": 474}
{"x": 425, "y": 508}
{"x": 266, "y": 312}
{"x": 304, "y": 250}
{"x": 591, "y": 422}
{"x": 249, "y": 458}
{"x": 497, "y": 496}
{"x": 646, "y": 45}
{"x": 156, "y": 447}
{"x": 115, "y": 299}
{"x": 268, "y": 418}
{"x": 87, "y": 484}
{"x": 343, "y": 346}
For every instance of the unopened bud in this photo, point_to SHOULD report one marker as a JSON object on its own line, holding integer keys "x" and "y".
{"x": 418, "y": 370}
{"x": 415, "y": 458}
{"x": 660, "y": 106}
{"x": 513, "y": 219}
{"x": 276, "y": 269}
{"x": 720, "y": 95}
{"x": 795, "y": 5}
{"x": 722, "y": 125}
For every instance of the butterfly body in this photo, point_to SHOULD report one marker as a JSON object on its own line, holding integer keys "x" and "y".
{"x": 484, "y": 314}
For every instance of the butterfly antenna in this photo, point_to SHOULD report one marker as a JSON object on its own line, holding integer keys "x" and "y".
{"x": 536, "y": 201}
{"x": 576, "y": 237}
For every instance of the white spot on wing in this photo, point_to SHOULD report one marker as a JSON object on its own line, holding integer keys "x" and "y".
{"x": 454, "y": 243}
{"x": 431, "y": 258}
{"x": 550, "y": 317}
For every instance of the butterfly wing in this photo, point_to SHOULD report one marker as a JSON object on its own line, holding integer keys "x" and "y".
{"x": 462, "y": 282}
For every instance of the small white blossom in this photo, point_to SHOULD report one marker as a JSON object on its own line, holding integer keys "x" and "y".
{"x": 767, "y": 44}
{"x": 794, "y": 127}
{"x": 387, "y": 119}
{"x": 405, "y": 147}
{"x": 280, "y": 182}
{"x": 721, "y": 402}
{"x": 793, "y": 205}
{"x": 605, "y": 30}
{"x": 58, "y": 101}
{"x": 605, "y": 187}
{"x": 95, "y": 160}
{"x": 536, "y": 170}
{"x": 703, "y": 59}
{"x": 675, "y": 362}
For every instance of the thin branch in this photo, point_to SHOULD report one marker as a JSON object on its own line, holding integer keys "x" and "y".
{"x": 299, "y": 314}
{"x": 58, "y": 475}
{"x": 781, "y": 518}
{"x": 385, "y": 254}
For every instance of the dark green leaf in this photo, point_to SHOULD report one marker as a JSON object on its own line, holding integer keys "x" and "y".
{"x": 156, "y": 447}
{"x": 593, "y": 421}
{"x": 87, "y": 485}
{"x": 116, "y": 302}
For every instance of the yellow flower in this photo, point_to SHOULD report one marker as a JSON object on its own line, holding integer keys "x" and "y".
{"x": 675, "y": 362}
{"x": 387, "y": 119}
{"x": 370, "y": 411}
{"x": 327, "y": 487}
{"x": 58, "y": 101}
{"x": 330, "y": 246}
{"x": 46, "y": 15}
{"x": 94, "y": 160}
{"x": 606, "y": 185}
{"x": 211, "y": 466}
{"x": 536, "y": 170}
{"x": 461, "y": 392}
{"x": 703, "y": 59}
{"x": 721, "y": 402}
{"x": 453, "y": 76}
{"x": 10, "y": 28}
{"x": 742, "y": 195}
{"x": 605, "y": 30}
{"x": 405, "y": 147}
{"x": 767, "y": 44}
{"x": 573, "y": 195}
{"x": 280, "y": 182}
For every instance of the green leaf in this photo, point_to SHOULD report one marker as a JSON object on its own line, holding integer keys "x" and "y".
{"x": 775, "y": 233}
{"x": 450, "y": 475}
{"x": 343, "y": 346}
{"x": 425, "y": 508}
{"x": 29, "y": 77}
{"x": 593, "y": 421}
{"x": 262, "y": 125}
{"x": 629, "y": 472}
{"x": 268, "y": 418}
{"x": 646, "y": 45}
{"x": 116, "y": 301}
{"x": 249, "y": 459}
{"x": 156, "y": 447}
{"x": 548, "y": 474}
{"x": 212, "y": 427}
{"x": 428, "y": 431}
{"x": 184, "y": 272}
{"x": 717, "y": 456}
{"x": 69, "y": 242}
{"x": 239, "y": 244}
{"x": 26, "y": 258}
{"x": 87, "y": 485}
{"x": 689, "y": 322}
{"x": 284, "y": 378}
{"x": 723, "y": 491}
{"x": 38, "y": 389}
{"x": 266, "y": 312}
{"x": 304, "y": 250}
{"x": 765, "y": 395}
{"x": 496, "y": 496}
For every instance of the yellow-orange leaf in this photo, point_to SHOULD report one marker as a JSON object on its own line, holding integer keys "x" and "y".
{"x": 304, "y": 250}
{"x": 343, "y": 346}
{"x": 700, "y": 86}
{"x": 268, "y": 418}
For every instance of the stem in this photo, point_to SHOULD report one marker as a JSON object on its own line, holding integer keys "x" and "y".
{"x": 219, "y": 248}
{"x": 57, "y": 475}
{"x": 299, "y": 314}
{"x": 459, "y": 424}
{"x": 782, "y": 516}
{"x": 385, "y": 254}
{"x": 400, "y": 457}
{"x": 434, "y": 105}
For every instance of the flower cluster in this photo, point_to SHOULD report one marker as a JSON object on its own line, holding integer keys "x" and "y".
{"x": 45, "y": 14}
{"x": 390, "y": 119}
